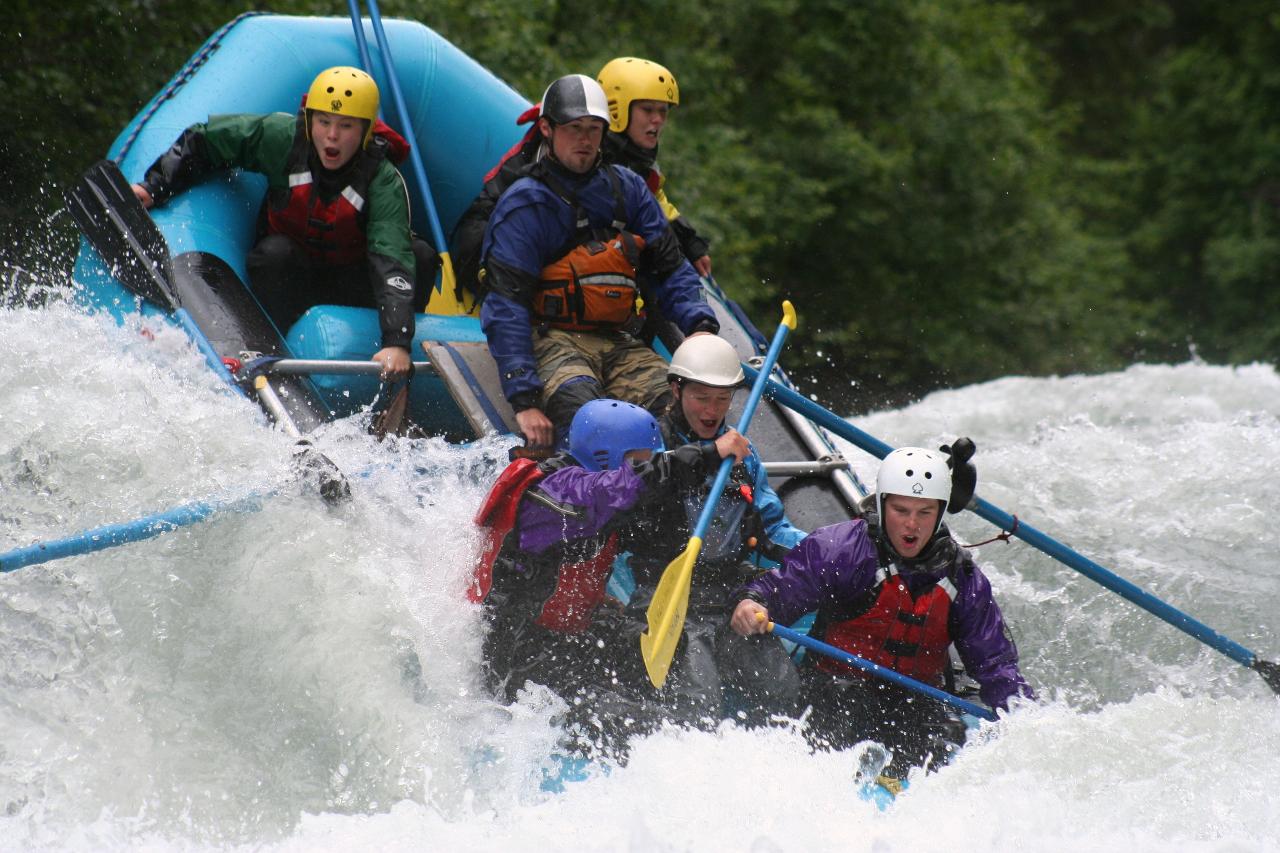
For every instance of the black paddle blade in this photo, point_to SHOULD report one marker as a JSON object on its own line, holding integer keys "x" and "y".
{"x": 105, "y": 209}
{"x": 1270, "y": 673}
{"x": 317, "y": 469}
{"x": 393, "y": 419}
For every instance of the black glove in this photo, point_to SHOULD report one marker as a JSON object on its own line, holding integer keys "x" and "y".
{"x": 686, "y": 467}
{"x": 964, "y": 476}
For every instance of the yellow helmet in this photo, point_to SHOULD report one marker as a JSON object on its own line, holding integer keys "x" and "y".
{"x": 345, "y": 91}
{"x": 628, "y": 79}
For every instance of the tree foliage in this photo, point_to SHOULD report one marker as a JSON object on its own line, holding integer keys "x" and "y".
{"x": 948, "y": 191}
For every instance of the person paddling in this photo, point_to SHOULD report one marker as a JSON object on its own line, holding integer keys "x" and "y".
{"x": 894, "y": 588}
{"x": 335, "y": 221}
{"x": 551, "y": 534}
{"x": 714, "y": 667}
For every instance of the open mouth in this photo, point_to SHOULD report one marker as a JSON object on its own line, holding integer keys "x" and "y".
{"x": 331, "y": 153}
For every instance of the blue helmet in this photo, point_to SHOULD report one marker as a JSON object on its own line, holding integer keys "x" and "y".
{"x": 603, "y": 432}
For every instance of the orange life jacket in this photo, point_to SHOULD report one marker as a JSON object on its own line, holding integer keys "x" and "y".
{"x": 594, "y": 285}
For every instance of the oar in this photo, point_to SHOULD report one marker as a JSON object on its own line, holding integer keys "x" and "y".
{"x": 104, "y": 207}
{"x": 671, "y": 597}
{"x": 881, "y": 672}
{"x": 1269, "y": 670}
{"x": 402, "y": 117}
{"x": 111, "y": 535}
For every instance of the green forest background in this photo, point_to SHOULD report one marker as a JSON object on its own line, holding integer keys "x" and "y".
{"x": 948, "y": 191}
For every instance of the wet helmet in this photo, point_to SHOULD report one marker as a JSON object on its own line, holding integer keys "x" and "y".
{"x": 574, "y": 96}
{"x": 914, "y": 473}
{"x": 628, "y": 79}
{"x": 708, "y": 359}
{"x": 345, "y": 91}
{"x": 603, "y": 432}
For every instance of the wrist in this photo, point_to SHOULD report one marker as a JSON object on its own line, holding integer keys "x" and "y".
{"x": 522, "y": 401}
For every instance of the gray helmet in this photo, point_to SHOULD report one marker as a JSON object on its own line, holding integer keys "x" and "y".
{"x": 572, "y": 97}
{"x": 708, "y": 359}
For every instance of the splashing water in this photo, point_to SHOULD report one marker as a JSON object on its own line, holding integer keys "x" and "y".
{"x": 306, "y": 678}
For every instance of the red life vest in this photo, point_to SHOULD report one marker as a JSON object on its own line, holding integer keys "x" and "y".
{"x": 331, "y": 231}
{"x": 907, "y": 634}
{"x": 579, "y": 586}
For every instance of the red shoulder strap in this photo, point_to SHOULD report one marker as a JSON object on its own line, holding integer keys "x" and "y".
{"x": 529, "y": 115}
{"x": 397, "y": 146}
{"x": 497, "y": 517}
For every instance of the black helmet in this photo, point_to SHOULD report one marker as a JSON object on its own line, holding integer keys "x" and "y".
{"x": 572, "y": 97}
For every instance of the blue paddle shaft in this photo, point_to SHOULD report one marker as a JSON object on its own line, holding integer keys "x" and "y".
{"x": 1024, "y": 531}
{"x": 401, "y": 112}
{"x": 748, "y": 412}
{"x": 883, "y": 672}
{"x": 111, "y": 535}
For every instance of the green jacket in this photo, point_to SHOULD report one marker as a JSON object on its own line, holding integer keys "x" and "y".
{"x": 262, "y": 144}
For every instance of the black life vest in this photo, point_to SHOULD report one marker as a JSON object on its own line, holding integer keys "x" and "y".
{"x": 579, "y": 584}
{"x": 332, "y": 231}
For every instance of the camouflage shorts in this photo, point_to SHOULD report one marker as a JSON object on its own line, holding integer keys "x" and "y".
{"x": 624, "y": 366}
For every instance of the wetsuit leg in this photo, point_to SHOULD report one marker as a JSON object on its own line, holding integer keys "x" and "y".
{"x": 916, "y": 729}
{"x": 426, "y": 264}
{"x": 278, "y": 270}
{"x": 565, "y": 402}
{"x": 694, "y": 692}
{"x": 761, "y": 679}
{"x": 692, "y": 695}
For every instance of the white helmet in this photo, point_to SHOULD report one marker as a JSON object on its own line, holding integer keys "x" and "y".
{"x": 914, "y": 473}
{"x": 707, "y": 359}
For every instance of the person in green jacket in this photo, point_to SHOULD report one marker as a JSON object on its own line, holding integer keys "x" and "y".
{"x": 335, "y": 222}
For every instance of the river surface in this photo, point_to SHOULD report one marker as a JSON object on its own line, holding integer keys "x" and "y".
{"x": 292, "y": 677}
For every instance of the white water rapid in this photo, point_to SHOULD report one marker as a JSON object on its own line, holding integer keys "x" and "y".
{"x": 248, "y": 683}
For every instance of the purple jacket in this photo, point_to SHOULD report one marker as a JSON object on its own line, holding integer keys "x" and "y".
{"x": 589, "y": 501}
{"x": 837, "y": 565}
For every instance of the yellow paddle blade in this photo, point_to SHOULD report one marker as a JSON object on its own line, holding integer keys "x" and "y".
{"x": 666, "y": 613}
{"x": 444, "y": 299}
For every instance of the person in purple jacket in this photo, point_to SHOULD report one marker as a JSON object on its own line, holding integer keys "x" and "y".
{"x": 552, "y": 532}
{"x": 893, "y": 588}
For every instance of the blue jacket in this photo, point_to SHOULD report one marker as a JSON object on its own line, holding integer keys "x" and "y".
{"x": 777, "y": 526}
{"x": 532, "y": 227}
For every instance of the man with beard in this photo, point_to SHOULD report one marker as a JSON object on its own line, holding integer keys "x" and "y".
{"x": 567, "y": 251}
